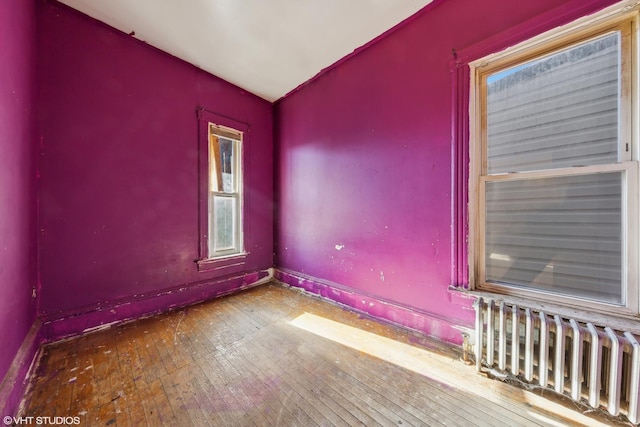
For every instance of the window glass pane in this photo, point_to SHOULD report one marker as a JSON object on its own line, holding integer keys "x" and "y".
{"x": 561, "y": 235}
{"x": 215, "y": 174}
{"x": 227, "y": 159}
{"x": 224, "y": 234}
{"x": 557, "y": 111}
{"x": 222, "y": 223}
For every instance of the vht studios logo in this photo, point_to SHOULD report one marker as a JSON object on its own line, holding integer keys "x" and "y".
{"x": 41, "y": 420}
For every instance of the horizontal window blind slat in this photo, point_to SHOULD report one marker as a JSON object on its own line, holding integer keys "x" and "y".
{"x": 520, "y": 98}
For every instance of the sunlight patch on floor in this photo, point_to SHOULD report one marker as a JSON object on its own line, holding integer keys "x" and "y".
{"x": 433, "y": 366}
{"x": 398, "y": 353}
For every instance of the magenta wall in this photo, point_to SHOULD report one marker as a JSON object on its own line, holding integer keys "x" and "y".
{"x": 17, "y": 181}
{"x": 119, "y": 168}
{"x": 365, "y": 155}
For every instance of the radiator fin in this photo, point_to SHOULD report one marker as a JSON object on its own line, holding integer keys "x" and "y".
{"x": 591, "y": 363}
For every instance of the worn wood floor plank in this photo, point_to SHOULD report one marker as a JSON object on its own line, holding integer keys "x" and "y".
{"x": 245, "y": 360}
{"x": 281, "y": 407}
{"x": 304, "y": 372}
{"x": 269, "y": 388}
{"x": 351, "y": 409}
{"x": 433, "y": 396}
{"x": 325, "y": 409}
{"x": 322, "y": 410}
{"x": 182, "y": 398}
{"x": 163, "y": 405}
{"x": 397, "y": 416}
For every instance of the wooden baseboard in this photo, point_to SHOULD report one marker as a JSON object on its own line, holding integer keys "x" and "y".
{"x": 430, "y": 324}
{"x": 14, "y": 384}
{"x": 64, "y": 325}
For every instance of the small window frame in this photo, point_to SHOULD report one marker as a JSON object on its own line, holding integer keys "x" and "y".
{"x": 212, "y": 124}
{"x": 216, "y": 133}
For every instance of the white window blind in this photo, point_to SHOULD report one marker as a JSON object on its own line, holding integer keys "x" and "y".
{"x": 558, "y": 111}
{"x": 560, "y": 234}
{"x": 558, "y": 230}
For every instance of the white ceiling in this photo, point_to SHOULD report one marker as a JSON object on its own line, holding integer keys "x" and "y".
{"x": 267, "y": 47}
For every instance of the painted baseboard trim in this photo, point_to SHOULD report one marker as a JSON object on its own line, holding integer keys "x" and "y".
{"x": 15, "y": 382}
{"x": 432, "y": 325}
{"x": 89, "y": 319}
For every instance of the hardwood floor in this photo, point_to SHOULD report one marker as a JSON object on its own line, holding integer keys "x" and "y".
{"x": 273, "y": 356}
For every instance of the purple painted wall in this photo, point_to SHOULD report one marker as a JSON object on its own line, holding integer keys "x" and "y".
{"x": 17, "y": 183}
{"x": 365, "y": 164}
{"x": 119, "y": 169}
{"x": 370, "y": 173}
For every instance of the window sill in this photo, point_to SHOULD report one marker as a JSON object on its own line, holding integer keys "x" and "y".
{"x": 621, "y": 321}
{"x": 222, "y": 262}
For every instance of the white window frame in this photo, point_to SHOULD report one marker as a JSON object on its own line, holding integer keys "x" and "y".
{"x": 215, "y": 132}
{"x": 231, "y": 260}
{"x": 582, "y": 29}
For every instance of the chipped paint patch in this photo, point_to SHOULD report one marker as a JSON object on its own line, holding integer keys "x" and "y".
{"x": 339, "y": 247}
{"x": 99, "y": 327}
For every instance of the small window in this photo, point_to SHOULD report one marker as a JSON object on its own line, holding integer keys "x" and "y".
{"x": 555, "y": 170}
{"x": 225, "y": 192}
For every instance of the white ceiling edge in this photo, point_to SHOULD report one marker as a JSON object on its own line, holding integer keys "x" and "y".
{"x": 267, "y": 48}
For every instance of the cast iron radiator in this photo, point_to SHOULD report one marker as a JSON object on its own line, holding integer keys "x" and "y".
{"x": 589, "y": 363}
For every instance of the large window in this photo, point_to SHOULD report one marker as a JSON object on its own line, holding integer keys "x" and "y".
{"x": 554, "y": 169}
